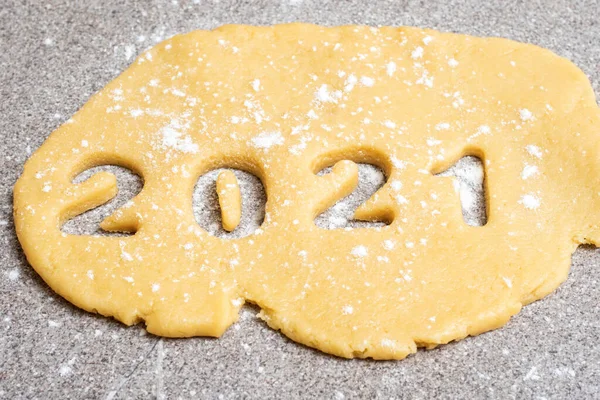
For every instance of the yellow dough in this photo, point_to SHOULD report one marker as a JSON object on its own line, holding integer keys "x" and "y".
{"x": 230, "y": 200}
{"x": 282, "y": 103}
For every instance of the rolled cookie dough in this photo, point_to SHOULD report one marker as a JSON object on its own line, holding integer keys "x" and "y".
{"x": 284, "y": 102}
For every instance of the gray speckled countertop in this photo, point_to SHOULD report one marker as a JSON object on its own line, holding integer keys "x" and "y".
{"x": 55, "y": 54}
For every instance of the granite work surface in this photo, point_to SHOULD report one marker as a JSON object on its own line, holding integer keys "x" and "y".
{"x": 55, "y": 54}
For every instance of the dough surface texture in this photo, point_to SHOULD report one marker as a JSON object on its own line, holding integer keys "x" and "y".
{"x": 283, "y": 103}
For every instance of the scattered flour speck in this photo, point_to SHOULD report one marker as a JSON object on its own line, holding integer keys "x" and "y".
{"x": 534, "y": 150}
{"x": 359, "y": 251}
{"x": 267, "y": 140}
{"x": 390, "y": 68}
{"x": 525, "y": 114}
{"x": 350, "y": 83}
{"x": 388, "y": 244}
{"x": 529, "y": 171}
{"x": 442, "y": 126}
{"x": 65, "y": 370}
{"x": 389, "y": 124}
{"x": 530, "y": 201}
{"x": 126, "y": 256}
{"x": 417, "y": 53}
{"x": 397, "y": 163}
{"x": 401, "y": 199}
{"x": 13, "y": 274}
{"x": 325, "y": 95}
{"x": 347, "y": 310}
{"x": 256, "y": 85}
{"x": 136, "y": 113}
{"x": 339, "y": 395}
{"x": 396, "y": 185}
{"x": 237, "y": 302}
{"x": 366, "y": 81}
{"x": 484, "y": 129}
{"x": 129, "y": 52}
{"x": 532, "y": 375}
{"x": 174, "y": 137}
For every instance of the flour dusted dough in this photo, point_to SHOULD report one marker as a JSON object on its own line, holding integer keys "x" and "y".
{"x": 284, "y": 102}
